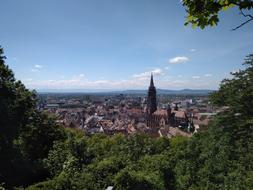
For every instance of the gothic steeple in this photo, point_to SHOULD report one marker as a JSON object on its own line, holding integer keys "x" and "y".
{"x": 151, "y": 102}
{"x": 152, "y": 81}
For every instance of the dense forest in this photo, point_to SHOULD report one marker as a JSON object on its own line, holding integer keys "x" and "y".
{"x": 36, "y": 153}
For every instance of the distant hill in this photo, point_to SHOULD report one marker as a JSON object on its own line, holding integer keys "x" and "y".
{"x": 141, "y": 92}
{"x": 170, "y": 92}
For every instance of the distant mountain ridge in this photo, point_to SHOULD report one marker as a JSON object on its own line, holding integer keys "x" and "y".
{"x": 172, "y": 92}
{"x": 159, "y": 91}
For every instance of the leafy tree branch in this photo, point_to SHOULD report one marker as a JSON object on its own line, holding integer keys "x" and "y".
{"x": 203, "y": 13}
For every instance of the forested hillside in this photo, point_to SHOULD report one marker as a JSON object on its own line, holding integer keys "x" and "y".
{"x": 36, "y": 153}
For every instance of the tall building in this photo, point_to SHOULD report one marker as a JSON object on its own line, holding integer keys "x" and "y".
{"x": 160, "y": 118}
{"x": 151, "y": 101}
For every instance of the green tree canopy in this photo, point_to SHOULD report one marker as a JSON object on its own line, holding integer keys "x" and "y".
{"x": 237, "y": 92}
{"x": 202, "y": 13}
{"x": 26, "y": 135}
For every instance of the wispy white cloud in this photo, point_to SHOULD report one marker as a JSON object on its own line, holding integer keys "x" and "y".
{"x": 131, "y": 83}
{"x": 137, "y": 81}
{"x": 178, "y": 59}
{"x": 193, "y": 50}
{"x": 34, "y": 70}
{"x": 208, "y": 75}
{"x": 79, "y": 81}
{"x": 38, "y": 66}
{"x": 81, "y": 75}
{"x": 146, "y": 75}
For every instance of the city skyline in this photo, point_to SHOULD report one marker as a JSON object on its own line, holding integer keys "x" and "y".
{"x": 65, "y": 45}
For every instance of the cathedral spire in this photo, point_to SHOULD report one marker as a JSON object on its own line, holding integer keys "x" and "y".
{"x": 151, "y": 101}
{"x": 151, "y": 80}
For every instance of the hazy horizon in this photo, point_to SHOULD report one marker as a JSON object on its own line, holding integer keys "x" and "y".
{"x": 110, "y": 90}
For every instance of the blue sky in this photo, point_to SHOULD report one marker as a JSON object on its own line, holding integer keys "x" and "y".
{"x": 116, "y": 44}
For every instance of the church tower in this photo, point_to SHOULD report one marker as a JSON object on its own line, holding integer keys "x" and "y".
{"x": 151, "y": 102}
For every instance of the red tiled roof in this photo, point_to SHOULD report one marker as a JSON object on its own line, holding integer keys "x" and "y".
{"x": 160, "y": 112}
{"x": 135, "y": 111}
{"x": 106, "y": 123}
{"x": 180, "y": 114}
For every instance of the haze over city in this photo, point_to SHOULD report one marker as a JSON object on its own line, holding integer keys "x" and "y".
{"x": 115, "y": 45}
